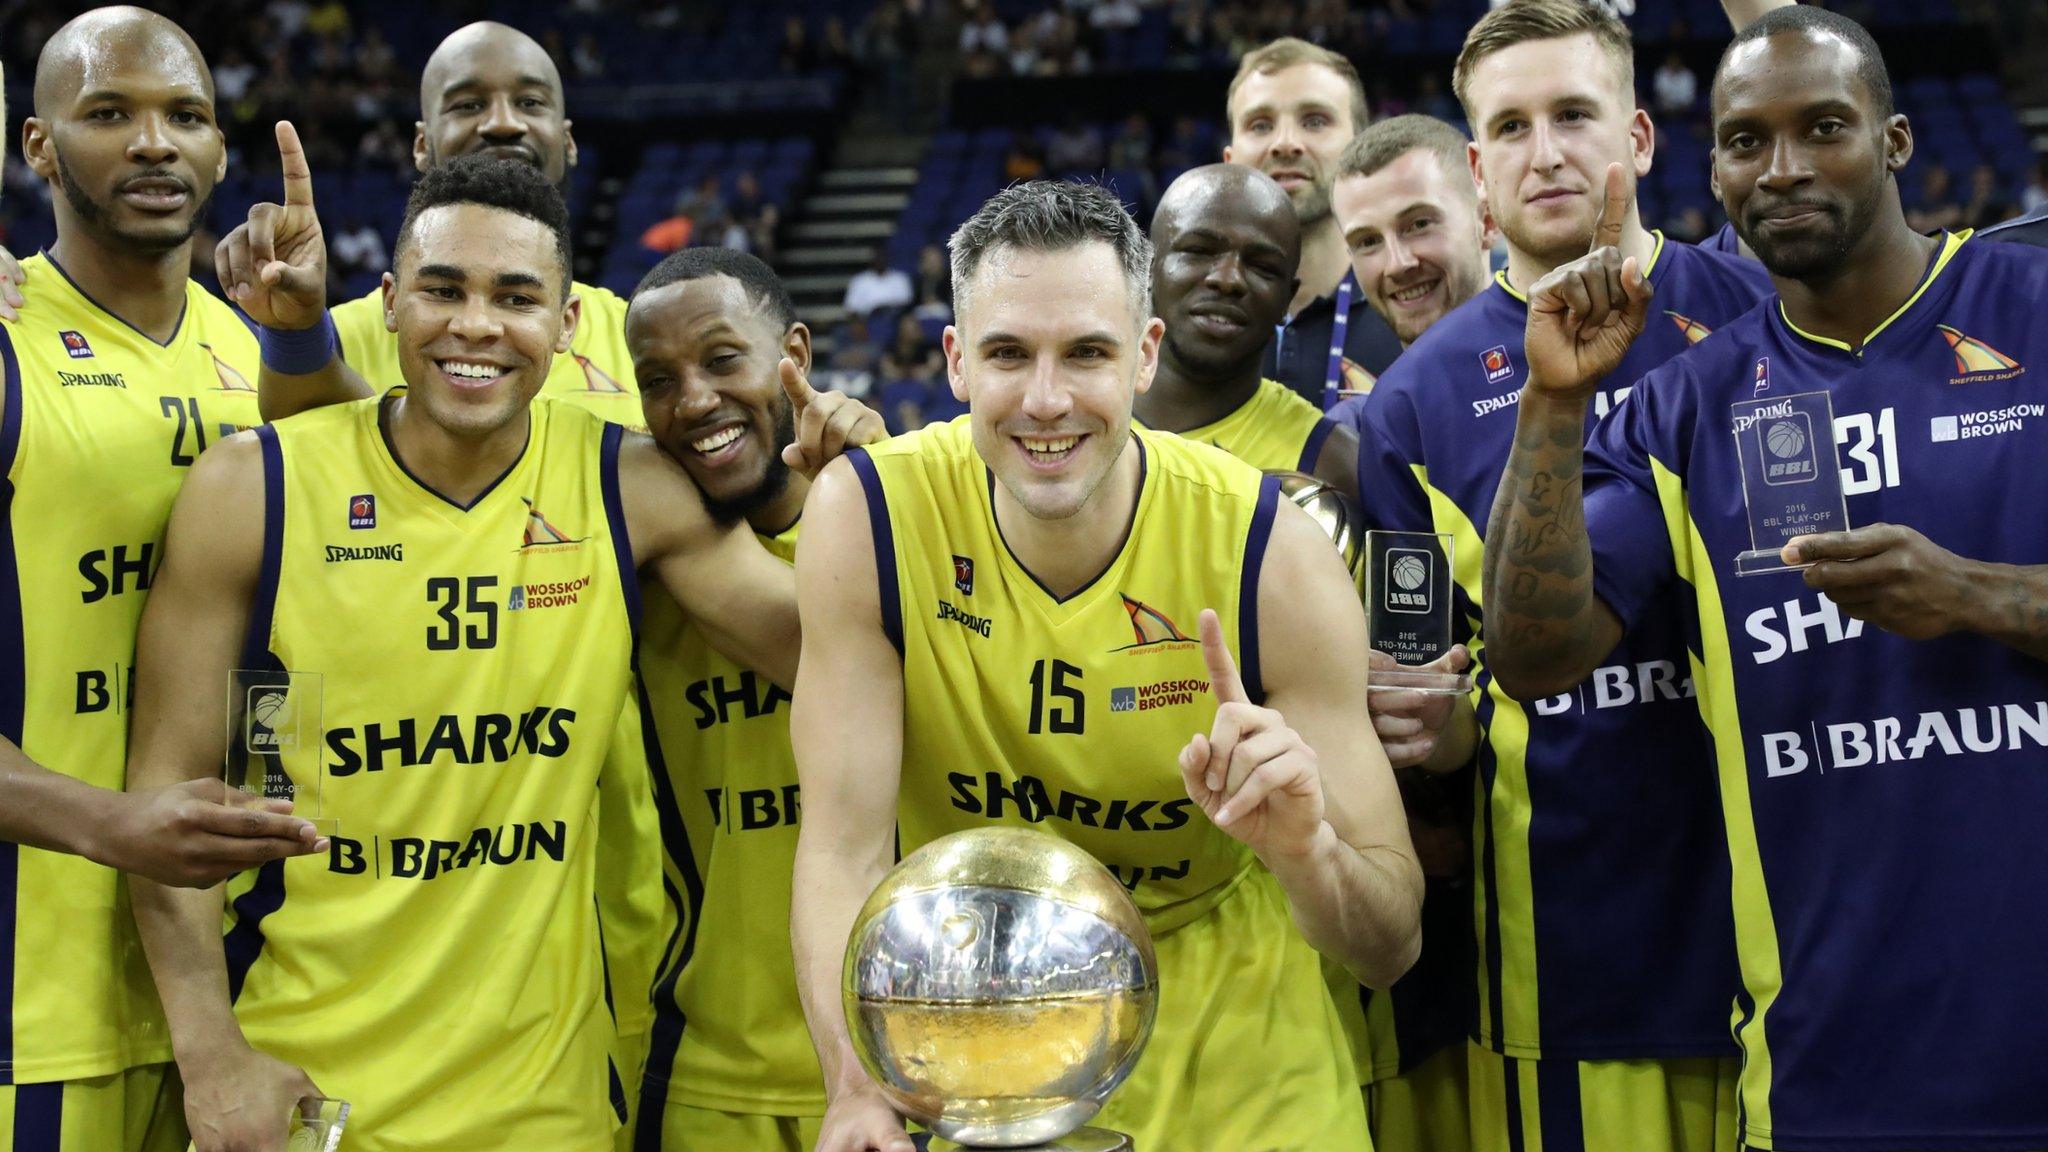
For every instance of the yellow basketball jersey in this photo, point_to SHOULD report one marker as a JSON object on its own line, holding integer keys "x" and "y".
{"x": 439, "y": 968}
{"x": 729, "y": 1029}
{"x": 597, "y": 372}
{"x": 1069, "y": 715}
{"x": 101, "y": 424}
{"x": 1275, "y": 430}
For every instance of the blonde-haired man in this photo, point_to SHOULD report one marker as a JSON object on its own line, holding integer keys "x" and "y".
{"x": 1293, "y": 107}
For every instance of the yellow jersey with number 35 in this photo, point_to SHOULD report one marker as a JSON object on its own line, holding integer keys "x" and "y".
{"x": 439, "y": 967}
{"x": 1068, "y": 714}
{"x": 101, "y": 423}
{"x": 596, "y": 373}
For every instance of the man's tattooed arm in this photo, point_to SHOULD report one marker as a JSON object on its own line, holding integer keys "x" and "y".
{"x": 1545, "y": 630}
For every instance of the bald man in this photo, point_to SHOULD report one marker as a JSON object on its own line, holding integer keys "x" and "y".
{"x": 1227, "y": 244}
{"x": 492, "y": 89}
{"x": 119, "y": 372}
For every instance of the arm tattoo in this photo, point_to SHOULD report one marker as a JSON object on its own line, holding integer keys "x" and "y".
{"x": 1539, "y": 562}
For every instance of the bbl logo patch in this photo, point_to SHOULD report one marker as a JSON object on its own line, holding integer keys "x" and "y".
{"x": 1495, "y": 361}
{"x": 963, "y": 575}
{"x": 1763, "y": 376}
{"x": 1789, "y": 442}
{"x": 1407, "y": 579}
{"x": 268, "y": 721}
{"x": 362, "y": 511}
{"x": 74, "y": 343}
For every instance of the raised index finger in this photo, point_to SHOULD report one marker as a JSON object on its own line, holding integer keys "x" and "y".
{"x": 298, "y": 176}
{"x": 1223, "y": 677}
{"x": 1613, "y": 210}
{"x": 794, "y": 385}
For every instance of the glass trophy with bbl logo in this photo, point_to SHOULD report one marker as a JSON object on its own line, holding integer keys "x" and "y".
{"x": 274, "y": 735}
{"x": 317, "y": 1125}
{"x": 1790, "y": 480}
{"x": 1408, "y": 609}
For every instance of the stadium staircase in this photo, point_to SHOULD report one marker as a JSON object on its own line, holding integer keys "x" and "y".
{"x": 848, "y": 216}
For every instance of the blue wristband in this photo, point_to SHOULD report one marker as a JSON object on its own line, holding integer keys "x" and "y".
{"x": 298, "y": 351}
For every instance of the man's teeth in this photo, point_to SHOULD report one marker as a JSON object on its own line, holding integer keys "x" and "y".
{"x": 1407, "y": 295}
{"x": 717, "y": 440}
{"x": 471, "y": 371}
{"x": 1050, "y": 447}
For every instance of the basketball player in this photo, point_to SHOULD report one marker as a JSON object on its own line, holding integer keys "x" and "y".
{"x": 1292, "y": 107}
{"x": 490, "y": 90}
{"x": 1602, "y": 1007}
{"x": 118, "y": 374}
{"x": 1894, "y": 694}
{"x": 997, "y": 633}
{"x": 1226, "y": 243}
{"x": 439, "y": 967}
{"x": 1411, "y": 217}
{"x": 731, "y": 1064}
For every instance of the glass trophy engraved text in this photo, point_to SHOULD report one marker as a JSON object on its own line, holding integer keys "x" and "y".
{"x": 1408, "y": 609}
{"x": 274, "y": 742}
{"x": 1791, "y": 484}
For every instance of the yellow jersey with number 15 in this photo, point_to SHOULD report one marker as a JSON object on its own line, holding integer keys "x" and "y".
{"x": 439, "y": 967}
{"x": 101, "y": 423}
{"x": 596, "y": 373}
{"x": 1068, "y": 714}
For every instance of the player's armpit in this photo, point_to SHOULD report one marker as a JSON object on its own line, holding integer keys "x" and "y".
{"x": 846, "y": 727}
{"x": 191, "y": 635}
{"x": 739, "y": 594}
{"x": 1360, "y": 903}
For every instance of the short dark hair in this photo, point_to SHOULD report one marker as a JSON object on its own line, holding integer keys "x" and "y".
{"x": 1052, "y": 216}
{"x": 762, "y": 285}
{"x": 1812, "y": 21}
{"x": 1389, "y": 140}
{"x": 493, "y": 182}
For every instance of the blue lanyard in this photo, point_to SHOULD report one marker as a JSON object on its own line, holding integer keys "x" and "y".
{"x": 1333, "y": 375}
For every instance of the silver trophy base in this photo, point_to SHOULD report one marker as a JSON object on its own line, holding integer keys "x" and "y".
{"x": 1079, "y": 1140}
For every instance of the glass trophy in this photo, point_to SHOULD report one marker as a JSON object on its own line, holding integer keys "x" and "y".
{"x": 1408, "y": 609}
{"x": 317, "y": 1125}
{"x": 274, "y": 735}
{"x": 1790, "y": 480}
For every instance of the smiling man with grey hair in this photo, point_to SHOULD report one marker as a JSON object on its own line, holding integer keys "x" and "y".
{"x": 1018, "y": 617}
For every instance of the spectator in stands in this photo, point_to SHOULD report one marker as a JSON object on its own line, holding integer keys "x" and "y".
{"x": 358, "y": 248}
{"x": 854, "y": 352}
{"x": 375, "y": 59}
{"x": 587, "y": 59}
{"x": 232, "y": 77}
{"x": 1131, "y": 150}
{"x": 934, "y": 284}
{"x": 1183, "y": 147}
{"x": 1937, "y": 208}
{"x": 797, "y": 56}
{"x": 834, "y": 51}
{"x": 1988, "y": 204}
{"x": 2035, "y": 195}
{"x": 1075, "y": 147}
{"x": 1114, "y": 15}
{"x": 1026, "y": 158}
{"x": 911, "y": 356}
{"x": 672, "y": 233}
{"x": 1676, "y": 87}
{"x": 984, "y": 31}
{"x": 384, "y": 146}
{"x": 876, "y": 287}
